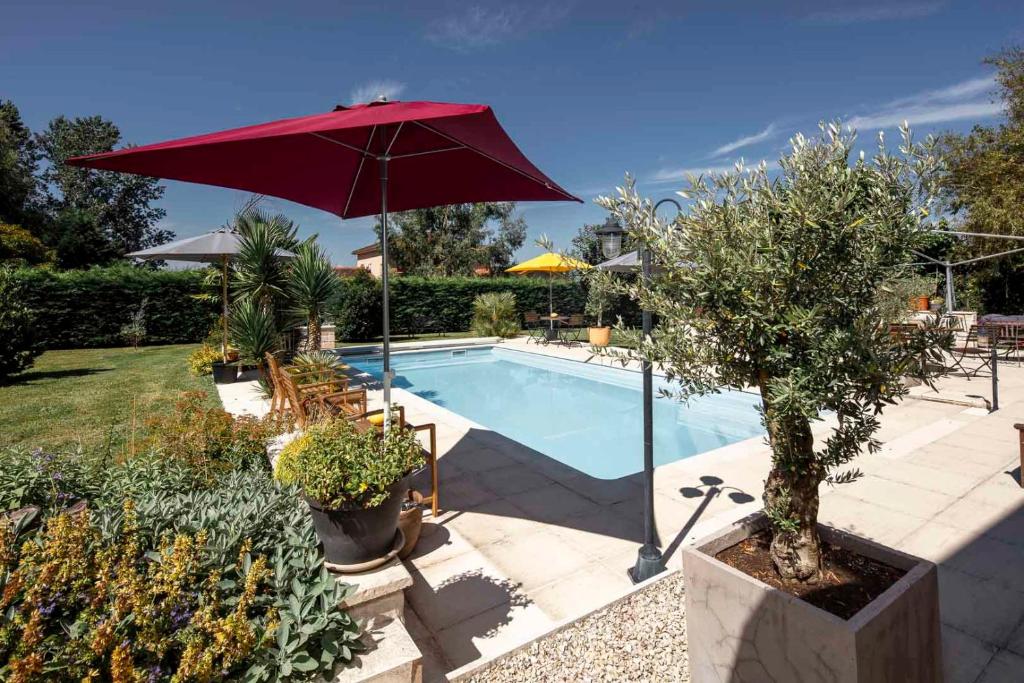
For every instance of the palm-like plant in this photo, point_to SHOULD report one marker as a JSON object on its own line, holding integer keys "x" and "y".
{"x": 494, "y": 315}
{"x": 259, "y": 272}
{"x": 254, "y": 330}
{"x": 311, "y": 284}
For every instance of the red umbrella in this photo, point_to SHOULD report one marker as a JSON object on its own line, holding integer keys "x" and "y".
{"x": 426, "y": 154}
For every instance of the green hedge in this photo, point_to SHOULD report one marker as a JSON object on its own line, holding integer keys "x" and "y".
{"x": 420, "y": 304}
{"x": 86, "y": 308}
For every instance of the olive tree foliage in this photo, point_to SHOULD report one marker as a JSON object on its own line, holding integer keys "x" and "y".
{"x": 780, "y": 293}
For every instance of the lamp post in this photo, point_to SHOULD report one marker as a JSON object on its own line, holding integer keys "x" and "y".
{"x": 649, "y": 561}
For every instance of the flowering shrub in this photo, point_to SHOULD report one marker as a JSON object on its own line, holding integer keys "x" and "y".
{"x": 192, "y": 580}
{"x": 200, "y": 361}
{"x": 210, "y": 439}
{"x": 342, "y": 468}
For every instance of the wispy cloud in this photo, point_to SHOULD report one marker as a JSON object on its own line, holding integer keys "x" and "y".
{"x": 374, "y": 89}
{"x": 891, "y": 11}
{"x": 961, "y": 101}
{"x": 479, "y": 26}
{"x": 746, "y": 141}
{"x": 675, "y": 175}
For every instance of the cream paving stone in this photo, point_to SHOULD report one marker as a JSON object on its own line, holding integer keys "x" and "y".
{"x": 867, "y": 519}
{"x": 513, "y": 479}
{"x": 438, "y": 542}
{"x": 535, "y": 559}
{"x": 1005, "y": 667}
{"x": 463, "y": 493}
{"x": 493, "y": 632}
{"x": 434, "y": 665}
{"x": 987, "y": 610}
{"x": 990, "y": 559}
{"x": 899, "y": 496}
{"x": 555, "y": 503}
{"x": 935, "y": 541}
{"x": 473, "y": 457}
{"x": 603, "y": 491}
{"x": 575, "y": 595}
{"x": 456, "y": 589}
{"x": 920, "y": 475}
{"x": 947, "y": 458}
{"x": 964, "y": 657}
{"x": 492, "y": 521}
{"x": 603, "y": 536}
{"x": 1016, "y": 642}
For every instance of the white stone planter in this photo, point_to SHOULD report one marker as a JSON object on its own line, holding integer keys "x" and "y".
{"x": 742, "y": 630}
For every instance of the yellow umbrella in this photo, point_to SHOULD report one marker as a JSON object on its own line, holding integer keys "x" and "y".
{"x": 550, "y": 263}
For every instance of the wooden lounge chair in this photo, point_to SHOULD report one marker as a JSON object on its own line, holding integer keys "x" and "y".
{"x": 306, "y": 401}
{"x": 311, "y": 381}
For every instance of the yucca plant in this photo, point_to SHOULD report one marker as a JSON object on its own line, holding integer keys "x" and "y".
{"x": 259, "y": 271}
{"x": 494, "y": 315}
{"x": 254, "y": 330}
{"x": 323, "y": 363}
{"x": 311, "y": 285}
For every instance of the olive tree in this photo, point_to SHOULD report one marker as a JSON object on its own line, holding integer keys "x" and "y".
{"x": 772, "y": 283}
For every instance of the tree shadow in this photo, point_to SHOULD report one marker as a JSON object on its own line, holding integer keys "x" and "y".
{"x": 35, "y": 376}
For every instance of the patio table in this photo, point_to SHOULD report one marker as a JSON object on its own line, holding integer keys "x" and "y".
{"x": 553, "y": 318}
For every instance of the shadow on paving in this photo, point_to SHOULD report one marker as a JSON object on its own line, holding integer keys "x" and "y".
{"x": 528, "y": 485}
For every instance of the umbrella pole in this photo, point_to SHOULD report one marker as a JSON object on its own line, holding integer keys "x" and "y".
{"x": 551, "y": 302}
{"x": 224, "y": 300}
{"x": 384, "y": 286}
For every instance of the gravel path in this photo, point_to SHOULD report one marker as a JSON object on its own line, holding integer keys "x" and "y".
{"x": 642, "y": 638}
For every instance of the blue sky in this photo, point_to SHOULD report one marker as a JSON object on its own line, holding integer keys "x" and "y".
{"x": 589, "y": 90}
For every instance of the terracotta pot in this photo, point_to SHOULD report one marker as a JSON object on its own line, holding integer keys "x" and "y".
{"x": 600, "y": 336}
{"x": 410, "y": 521}
{"x": 361, "y": 535}
{"x": 921, "y": 303}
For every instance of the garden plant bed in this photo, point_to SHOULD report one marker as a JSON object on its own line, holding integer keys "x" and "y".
{"x": 849, "y": 581}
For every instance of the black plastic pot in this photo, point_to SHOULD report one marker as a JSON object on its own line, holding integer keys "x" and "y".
{"x": 361, "y": 535}
{"x": 224, "y": 373}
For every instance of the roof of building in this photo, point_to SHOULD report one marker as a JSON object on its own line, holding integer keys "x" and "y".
{"x": 367, "y": 251}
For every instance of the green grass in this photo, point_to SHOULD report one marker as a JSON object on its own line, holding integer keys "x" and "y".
{"x": 84, "y": 396}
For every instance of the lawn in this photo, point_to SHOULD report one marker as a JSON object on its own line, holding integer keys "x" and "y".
{"x": 84, "y": 396}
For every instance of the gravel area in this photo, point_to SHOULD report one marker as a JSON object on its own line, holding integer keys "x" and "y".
{"x": 641, "y": 638}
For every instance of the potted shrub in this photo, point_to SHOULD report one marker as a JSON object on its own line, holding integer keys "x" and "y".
{"x": 781, "y": 283}
{"x": 354, "y": 482}
{"x": 601, "y": 295}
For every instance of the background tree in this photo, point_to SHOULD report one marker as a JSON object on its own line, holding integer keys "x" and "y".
{"x": 18, "y": 246}
{"x": 983, "y": 188}
{"x": 96, "y": 216}
{"x": 19, "y": 160}
{"x": 19, "y": 344}
{"x": 455, "y": 239}
{"x": 782, "y": 296}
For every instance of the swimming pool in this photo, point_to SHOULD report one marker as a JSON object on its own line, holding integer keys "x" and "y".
{"x": 587, "y": 416}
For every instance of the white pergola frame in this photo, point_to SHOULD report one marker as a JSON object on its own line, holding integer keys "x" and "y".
{"x": 949, "y": 266}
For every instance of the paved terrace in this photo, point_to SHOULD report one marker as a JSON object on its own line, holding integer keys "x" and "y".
{"x": 525, "y": 543}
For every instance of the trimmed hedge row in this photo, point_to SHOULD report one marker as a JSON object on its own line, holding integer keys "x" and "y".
{"x": 87, "y": 308}
{"x": 420, "y": 304}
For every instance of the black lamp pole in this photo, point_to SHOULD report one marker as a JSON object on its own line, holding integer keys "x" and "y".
{"x": 649, "y": 561}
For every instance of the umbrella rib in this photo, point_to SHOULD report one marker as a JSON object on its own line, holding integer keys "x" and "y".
{"x": 387, "y": 152}
{"x": 431, "y": 151}
{"x": 495, "y": 160}
{"x": 359, "y": 170}
{"x": 364, "y": 152}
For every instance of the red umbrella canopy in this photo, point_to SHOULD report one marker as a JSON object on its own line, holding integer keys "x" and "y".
{"x": 437, "y": 153}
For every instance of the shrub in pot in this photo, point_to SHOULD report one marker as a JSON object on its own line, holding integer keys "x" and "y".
{"x": 354, "y": 482}
{"x": 601, "y": 295}
{"x": 781, "y": 293}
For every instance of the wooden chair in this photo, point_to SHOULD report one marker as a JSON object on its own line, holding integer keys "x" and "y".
{"x": 311, "y": 381}
{"x": 305, "y": 401}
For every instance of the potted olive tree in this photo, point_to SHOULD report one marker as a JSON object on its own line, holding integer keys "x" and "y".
{"x": 354, "y": 482}
{"x": 780, "y": 293}
{"x": 601, "y": 295}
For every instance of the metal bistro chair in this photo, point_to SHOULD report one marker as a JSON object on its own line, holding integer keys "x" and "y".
{"x": 1010, "y": 339}
{"x": 977, "y": 344}
{"x": 572, "y": 331}
{"x": 533, "y": 327}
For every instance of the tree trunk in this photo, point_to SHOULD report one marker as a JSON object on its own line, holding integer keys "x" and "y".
{"x": 791, "y": 498}
{"x": 313, "y": 333}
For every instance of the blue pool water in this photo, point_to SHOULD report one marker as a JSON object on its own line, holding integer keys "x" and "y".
{"x": 586, "y": 416}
